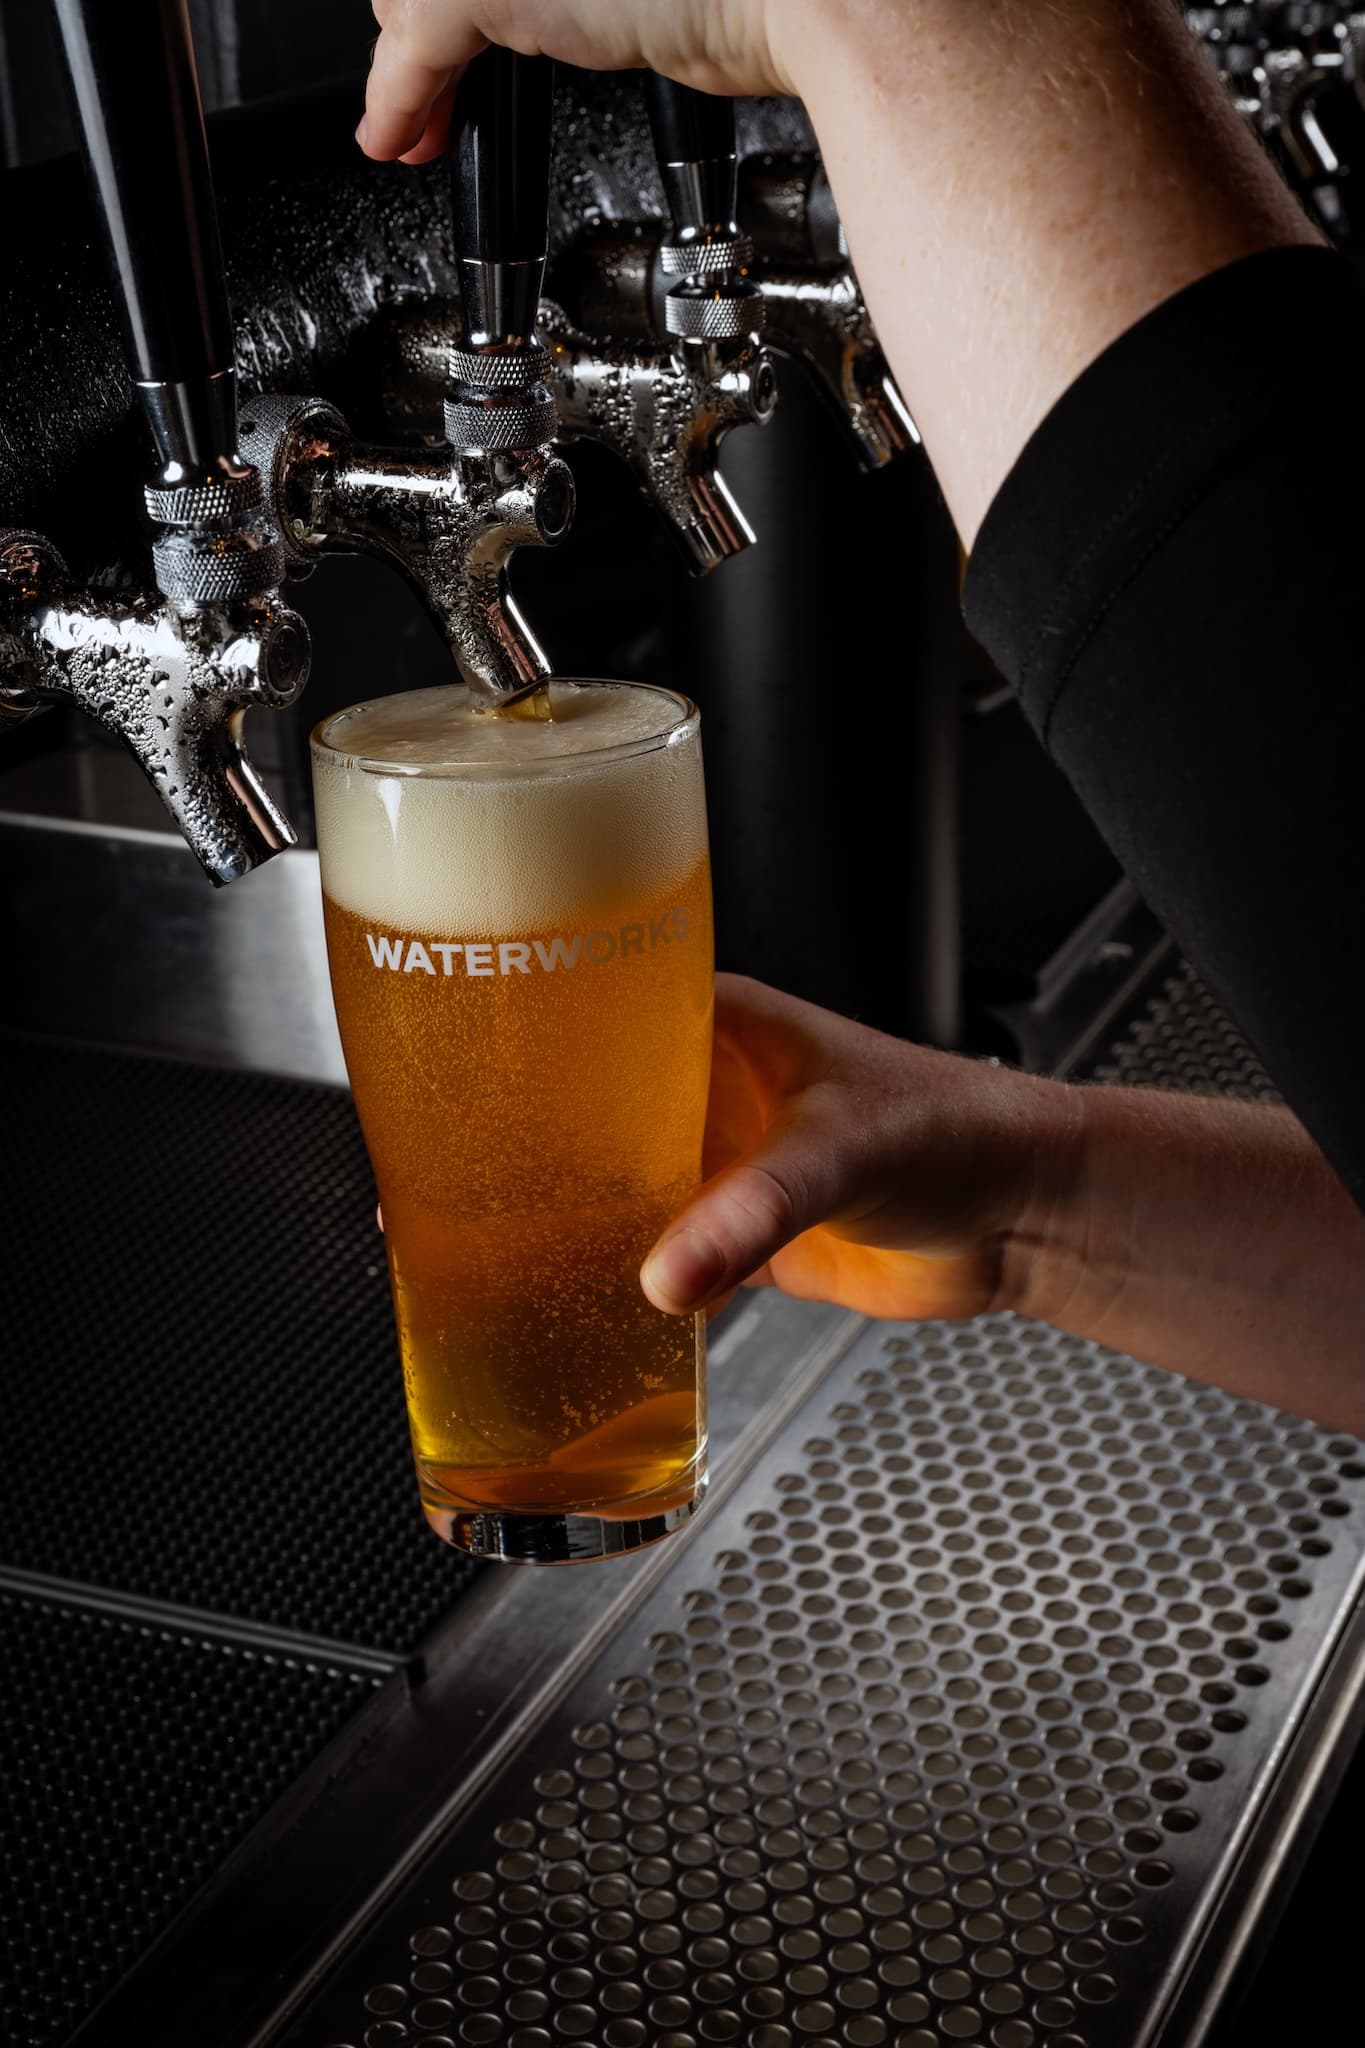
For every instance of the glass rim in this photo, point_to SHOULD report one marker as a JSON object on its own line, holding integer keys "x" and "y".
{"x": 589, "y": 757}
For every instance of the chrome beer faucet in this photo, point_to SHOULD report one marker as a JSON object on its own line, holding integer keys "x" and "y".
{"x": 665, "y": 412}
{"x": 172, "y": 681}
{"x": 450, "y": 518}
{"x": 173, "y": 671}
{"x": 666, "y": 409}
{"x": 787, "y": 253}
{"x": 816, "y": 310}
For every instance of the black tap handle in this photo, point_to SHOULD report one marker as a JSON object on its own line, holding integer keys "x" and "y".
{"x": 697, "y": 153}
{"x": 689, "y": 127}
{"x": 501, "y": 191}
{"x": 137, "y": 95}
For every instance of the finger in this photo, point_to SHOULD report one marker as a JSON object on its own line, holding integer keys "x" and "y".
{"x": 795, "y": 1178}
{"x": 406, "y": 80}
{"x": 436, "y": 135}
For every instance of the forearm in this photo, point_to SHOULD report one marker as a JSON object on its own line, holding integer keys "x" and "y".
{"x": 1206, "y": 1236}
{"x": 1020, "y": 181}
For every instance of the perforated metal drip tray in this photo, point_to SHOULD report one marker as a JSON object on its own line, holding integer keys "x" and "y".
{"x": 949, "y": 1727}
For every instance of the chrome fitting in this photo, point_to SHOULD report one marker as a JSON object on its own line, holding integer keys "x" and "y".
{"x": 448, "y": 519}
{"x": 500, "y": 400}
{"x": 215, "y": 541}
{"x": 702, "y": 256}
{"x": 174, "y": 686}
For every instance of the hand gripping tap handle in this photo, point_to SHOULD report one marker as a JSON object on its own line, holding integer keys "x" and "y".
{"x": 501, "y": 179}
{"x": 137, "y": 96}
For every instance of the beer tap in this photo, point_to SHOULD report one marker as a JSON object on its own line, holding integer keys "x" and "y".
{"x": 816, "y": 310}
{"x": 450, "y": 518}
{"x": 665, "y": 409}
{"x": 171, "y": 671}
{"x": 623, "y": 279}
{"x": 662, "y": 407}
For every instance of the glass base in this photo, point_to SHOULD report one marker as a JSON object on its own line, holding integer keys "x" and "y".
{"x": 515, "y": 1536}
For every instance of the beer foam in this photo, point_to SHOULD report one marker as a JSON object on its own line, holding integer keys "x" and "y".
{"x": 495, "y": 825}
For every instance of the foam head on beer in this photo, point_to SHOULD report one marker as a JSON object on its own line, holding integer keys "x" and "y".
{"x": 540, "y": 828}
{"x": 519, "y": 930}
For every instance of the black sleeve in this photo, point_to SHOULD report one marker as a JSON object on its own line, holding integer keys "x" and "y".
{"x": 1173, "y": 577}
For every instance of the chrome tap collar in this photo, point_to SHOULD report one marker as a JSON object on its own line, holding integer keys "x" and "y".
{"x": 203, "y": 565}
{"x": 227, "y": 498}
{"x": 494, "y": 369}
{"x": 721, "y": 308}
{"x": 702, "y": 256}
{"x": 216, "y": 542}
{"x": 499, "y": 399}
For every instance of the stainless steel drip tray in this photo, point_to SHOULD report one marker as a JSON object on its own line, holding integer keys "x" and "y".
{"x": 977, "y": 1713}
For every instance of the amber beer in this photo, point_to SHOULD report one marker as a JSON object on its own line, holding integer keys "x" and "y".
{"x": 519, "y": 931}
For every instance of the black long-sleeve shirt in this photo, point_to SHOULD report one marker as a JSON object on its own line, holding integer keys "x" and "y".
{"x": 1173, "y": 576}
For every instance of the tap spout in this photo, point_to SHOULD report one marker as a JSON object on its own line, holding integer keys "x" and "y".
{"x": 665, "y": 412}
{"x": 448, "y": 521}
{"x": 175, "y": 687}
{"x": 820, "y": 318}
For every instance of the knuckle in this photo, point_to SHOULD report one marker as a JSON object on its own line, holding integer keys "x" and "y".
{"x": 763, "y": 1199}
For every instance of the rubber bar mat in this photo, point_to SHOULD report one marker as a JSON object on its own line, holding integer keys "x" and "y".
{"x": 203, "y": 1399}
{"x": 132, "y": 1761}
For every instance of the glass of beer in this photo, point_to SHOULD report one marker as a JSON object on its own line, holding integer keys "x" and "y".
{"x": 518, "y": 916}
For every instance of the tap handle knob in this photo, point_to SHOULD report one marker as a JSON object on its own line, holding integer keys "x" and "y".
{"x": 698, "y": 157}
{"x": 142, "y": 124}
{"x": 501, "y": 173}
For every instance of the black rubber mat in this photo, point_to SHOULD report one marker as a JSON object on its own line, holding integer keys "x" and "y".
{"x": 203, "y": 1400}
{"x": 132, "y": 1760}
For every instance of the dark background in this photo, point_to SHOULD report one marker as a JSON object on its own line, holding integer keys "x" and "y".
{"x": 247, "y": 50}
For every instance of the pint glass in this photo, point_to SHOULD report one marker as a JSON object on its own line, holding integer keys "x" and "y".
{"x": 518, "y": 924}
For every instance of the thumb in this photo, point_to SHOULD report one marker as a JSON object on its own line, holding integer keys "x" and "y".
{"x": 734, "y": 1225}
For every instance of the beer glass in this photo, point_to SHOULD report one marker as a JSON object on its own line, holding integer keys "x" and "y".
{"x": 518, "y": 917}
